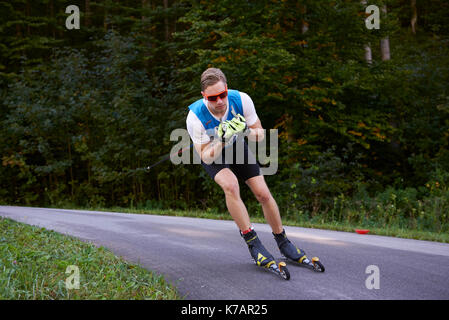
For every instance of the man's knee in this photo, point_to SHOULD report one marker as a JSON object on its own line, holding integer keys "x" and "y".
{"x": 227, "y": 180}
{"x": 231, "y": 187}
{"x": 263, "y": 197}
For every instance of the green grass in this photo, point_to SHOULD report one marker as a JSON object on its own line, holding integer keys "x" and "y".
{"x": 34, "y": 261}
{"x": 391, "y": 230}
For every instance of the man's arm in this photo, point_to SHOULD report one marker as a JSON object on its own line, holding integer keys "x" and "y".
{"x": 256, "y": 132}
{"x": 249, "y": 112}
{"x": 209, "y": 151}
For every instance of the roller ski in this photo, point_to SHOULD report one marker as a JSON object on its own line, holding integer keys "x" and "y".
{"x": 292, "y": 253}
{"x": 262, "y": 257}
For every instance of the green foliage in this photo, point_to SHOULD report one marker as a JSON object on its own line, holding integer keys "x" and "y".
{"x": 312, "y": 187}
{"x": 82, "y": 112}
{"x": 71, "y": 122}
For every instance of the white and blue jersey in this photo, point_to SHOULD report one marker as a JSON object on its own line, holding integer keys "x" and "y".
{"x": 201, "y": 123}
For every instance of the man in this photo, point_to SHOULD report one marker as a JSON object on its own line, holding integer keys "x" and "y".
{"x": 213, "y": 123}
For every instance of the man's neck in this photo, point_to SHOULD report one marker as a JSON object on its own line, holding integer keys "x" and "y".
{"x": 217, "y": 115}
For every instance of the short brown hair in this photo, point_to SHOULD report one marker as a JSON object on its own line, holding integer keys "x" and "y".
{"x": 211, "y": 76}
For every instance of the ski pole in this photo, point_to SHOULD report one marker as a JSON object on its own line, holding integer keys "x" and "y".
{"x": 166, "y": 157}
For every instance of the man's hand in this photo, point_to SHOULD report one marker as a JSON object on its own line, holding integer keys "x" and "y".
{"x": 239, "y": 123}
{"x": 230, "y": 129}
{"x": 222, "y": 132}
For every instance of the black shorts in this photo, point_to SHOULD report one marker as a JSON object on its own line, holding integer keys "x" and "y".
{"x": 243, "y": 170}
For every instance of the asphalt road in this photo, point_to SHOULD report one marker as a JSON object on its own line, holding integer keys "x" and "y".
{"x": 207, "y": 259}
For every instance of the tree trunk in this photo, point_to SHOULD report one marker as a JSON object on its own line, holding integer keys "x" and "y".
{"x": 304, "y": 24}
{"x": 87, "y": 20}
{"x": 28, "y": 14}
{"x": 367, "y": 47}
{"x": 368, "y": 54}
{"x": 414, "y": 19}
{"x": 105, "y": 20}
{"x": 385, "y": 49}
{"x": 304, "y": 27}
{"x": 51, "y": 25}
{"x": 145, "y": 28}
{"x": 385, "y": 43}
{"x": 167, "y": 33}
{"x": 144, "y": 5}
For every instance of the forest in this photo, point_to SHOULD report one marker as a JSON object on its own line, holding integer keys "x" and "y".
{"x": 362, "y": 113}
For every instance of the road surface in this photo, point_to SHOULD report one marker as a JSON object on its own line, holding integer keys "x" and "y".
{"x": 207, "y": 259}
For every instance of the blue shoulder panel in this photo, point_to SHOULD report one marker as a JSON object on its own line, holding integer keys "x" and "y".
{"x": 235, "y": 103}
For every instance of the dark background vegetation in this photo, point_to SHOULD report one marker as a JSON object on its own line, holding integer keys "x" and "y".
{"x": 362, "y": 139}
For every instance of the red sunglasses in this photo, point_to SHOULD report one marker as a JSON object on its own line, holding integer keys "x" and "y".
{"x": 222, "y": 95}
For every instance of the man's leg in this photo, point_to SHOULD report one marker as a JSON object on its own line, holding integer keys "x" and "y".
{"x": 227, "y": 180}
{"x": 271, "y": 211}
{"x": 229, "y": 183}
{"x": 270, "y": 208}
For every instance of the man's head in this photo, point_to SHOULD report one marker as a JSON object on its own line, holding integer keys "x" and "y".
{"x": 214, "y": 89}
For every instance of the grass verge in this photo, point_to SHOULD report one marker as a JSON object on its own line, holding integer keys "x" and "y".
{"x": 34, "y": 261}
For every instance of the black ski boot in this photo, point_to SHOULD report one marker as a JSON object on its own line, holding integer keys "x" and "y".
{"x": 260, "y": 255}
{"x": 290, "y": 251}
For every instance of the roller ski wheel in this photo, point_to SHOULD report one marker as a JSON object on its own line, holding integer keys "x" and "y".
{"x": 279, "y": 269}
{"x": 313, "y": 264}
{"x": 317, "y": 265}
{"x": 283, "y": 271}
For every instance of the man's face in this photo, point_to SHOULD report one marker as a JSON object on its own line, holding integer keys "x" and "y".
{"x": 219, "y": 105}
